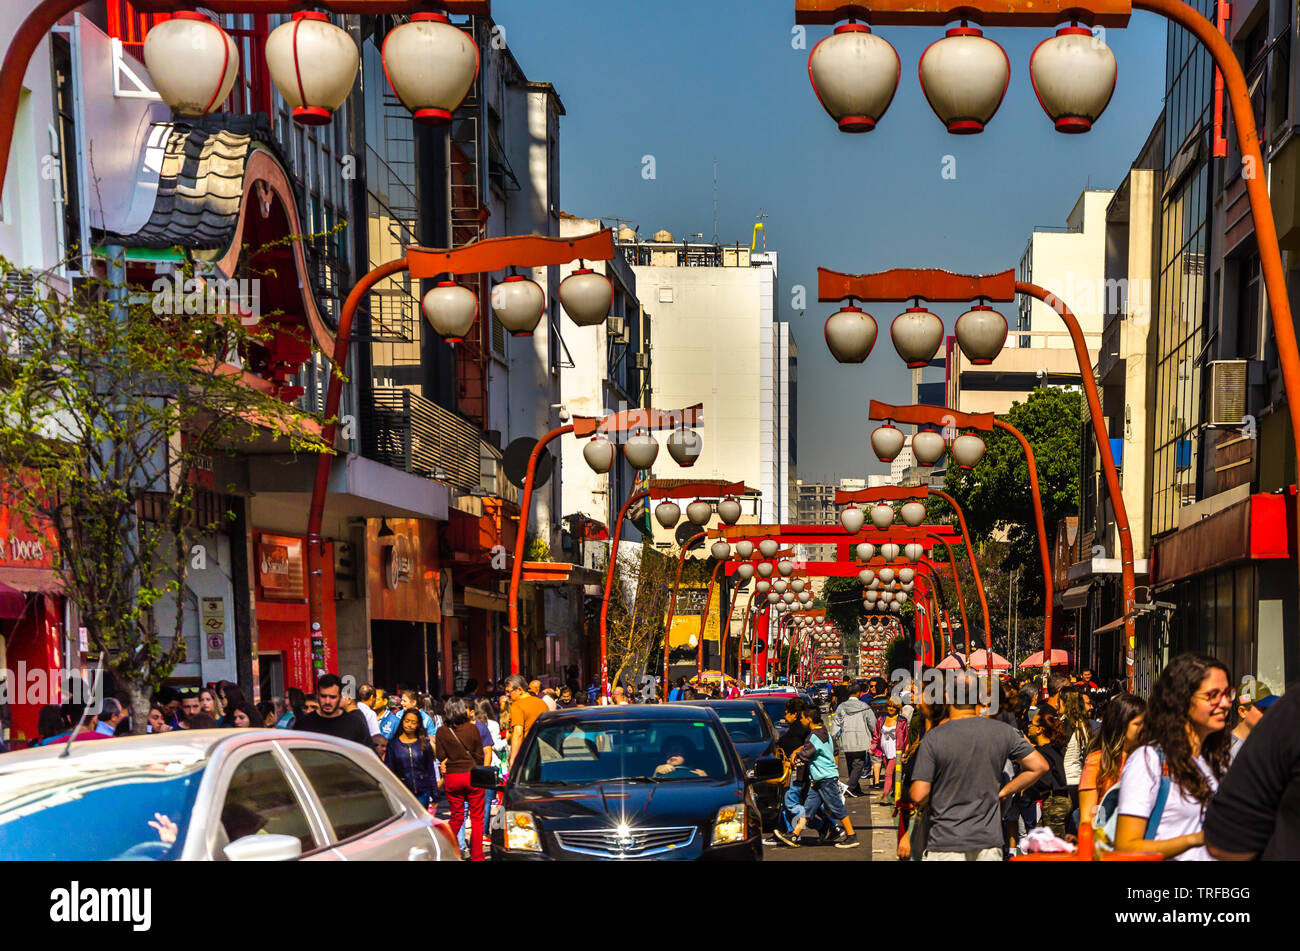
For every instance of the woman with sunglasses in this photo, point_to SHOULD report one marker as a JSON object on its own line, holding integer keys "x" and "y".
{"x": 1170, "y": 778}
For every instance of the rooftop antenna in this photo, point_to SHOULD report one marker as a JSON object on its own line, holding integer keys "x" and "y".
{"x": 715, "y": 199}
{"x": 758, "y": 226}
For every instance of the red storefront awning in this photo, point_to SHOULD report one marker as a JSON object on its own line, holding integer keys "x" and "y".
{"x": 12, "y": 602}
{"x": 1256, "y": 528}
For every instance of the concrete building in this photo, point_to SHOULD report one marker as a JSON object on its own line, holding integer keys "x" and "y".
{"x": 717, "y": 341}
{"x": 1069, "y": 261}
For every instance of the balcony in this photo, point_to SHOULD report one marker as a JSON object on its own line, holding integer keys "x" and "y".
{"x": 1110, "y": 359}
{"x": 405, "y": 431}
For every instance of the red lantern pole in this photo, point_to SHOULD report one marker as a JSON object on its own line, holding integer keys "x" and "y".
{"x": 672, "y": 602}
{"x": 634, "y": 496}
{"x": 704, "y": 620}
{"x": 521, "y": 540}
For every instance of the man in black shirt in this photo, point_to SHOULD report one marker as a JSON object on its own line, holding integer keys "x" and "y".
{"x": 333, "y": 720}
{"x": 1256, "y": 811}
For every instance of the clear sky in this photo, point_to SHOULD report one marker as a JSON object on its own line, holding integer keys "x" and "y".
{"x": 688, "y": 81}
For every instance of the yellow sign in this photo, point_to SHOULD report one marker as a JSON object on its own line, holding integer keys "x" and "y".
{"x": 687, "y": 616}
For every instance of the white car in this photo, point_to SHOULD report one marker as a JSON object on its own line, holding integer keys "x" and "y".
{"x": 224, "y": 795}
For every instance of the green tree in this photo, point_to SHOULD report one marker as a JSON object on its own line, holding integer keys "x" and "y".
{"x": 112, "y": 409}
{"x": 995, "y": 494}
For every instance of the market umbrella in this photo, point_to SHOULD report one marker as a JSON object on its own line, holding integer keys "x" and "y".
{"x": 954, "y": 661}
{"x": 979, "y": 660}
{"x": 1059, "y": 659}
{"x": 711, "y": 675}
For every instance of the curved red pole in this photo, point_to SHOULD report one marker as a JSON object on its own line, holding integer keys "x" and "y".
{"x": 1103, "y": 446}
{"x": 632, "y": 496}
{"x": 1044, "y": 553}
{"x": 961, "y": 600}
{"x": 672, "y": 600}
{"x": 320, "y": 484}
{"x": 704, "y": 620}
{"x": 521, "y": 541}
{"x": 975, "y": 570}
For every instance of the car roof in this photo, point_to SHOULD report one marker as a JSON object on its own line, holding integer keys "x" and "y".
{"x": 723, "y": 704}
{"x": 624, "y": 711}
{"x": 175, "y": 744}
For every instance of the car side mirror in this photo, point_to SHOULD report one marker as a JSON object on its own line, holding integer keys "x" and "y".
{"x": 484, "y": 777}
{"x": 264, "y": 848}
{"x": 768, "y": 767}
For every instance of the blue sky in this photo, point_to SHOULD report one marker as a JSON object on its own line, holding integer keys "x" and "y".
{"x": 688, "y": 81}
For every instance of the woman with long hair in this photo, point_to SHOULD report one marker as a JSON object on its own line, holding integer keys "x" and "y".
{"x": 459, "y": 747}
{"x": 1121, "y": 726}
{"x": 210, "y": 703}
{"x": 1078, "y": 731}
{"x": 887, "y": 741}
{"x": 1183, "y": 753}
{"x": 411, "y": 758}
{"x": 1048, "y": 734}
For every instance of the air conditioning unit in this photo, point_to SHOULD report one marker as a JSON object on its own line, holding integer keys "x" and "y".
{"x": 1228, "y": 380}
{"x": 643, "y": 361}
{"x": 616, "y": 326}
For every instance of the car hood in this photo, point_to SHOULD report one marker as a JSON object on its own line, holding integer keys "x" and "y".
{"x": 597, "y": 805}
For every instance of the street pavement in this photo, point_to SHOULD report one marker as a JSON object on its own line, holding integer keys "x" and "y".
{"x": 874, "y": 824}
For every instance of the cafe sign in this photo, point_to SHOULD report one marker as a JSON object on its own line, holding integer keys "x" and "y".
{"x": 399, "y": 562}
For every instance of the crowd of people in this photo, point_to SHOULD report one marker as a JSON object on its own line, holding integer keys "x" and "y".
{"x": 1199, "y": 770}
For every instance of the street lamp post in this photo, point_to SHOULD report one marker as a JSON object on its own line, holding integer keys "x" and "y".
{"x": 672, "y": 598}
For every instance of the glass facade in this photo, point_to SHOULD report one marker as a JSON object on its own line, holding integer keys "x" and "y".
{"x": 1184, "y": 247}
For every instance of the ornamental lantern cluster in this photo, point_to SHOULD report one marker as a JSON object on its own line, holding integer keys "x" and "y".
{"x": 917, "y": 334}
{"x": 430, "y": 64}
{"x": 964, "y": 76}
{"x": 640, "y": 449}
{"x": 928, "y": 448}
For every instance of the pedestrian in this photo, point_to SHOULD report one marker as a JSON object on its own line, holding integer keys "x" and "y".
{"x": 787, "y": 745}
{"x": 1168, "y": 781}
{"x": 854, "y": 724}
{"x": 331, "y": 719}
{"x": 157, "y": 720}
{"x": 392, "y": 718}
{"x": 913, "y": 821}
{"x": 459, "y": 748}
{"x": 958, "y": 776}
{"x": 210, "y": 703}
{"x": 1254, "y": 699}
{"x": 293, "y": 706}
{"x": 191, "y": 706}
{"x": 524, "y": 710}
{"x": 111, "y": 715}
{"x": 266, "y": 711}
{"x": 1078, "y": 730}
{"x": 245, "y": 716}
{"x": 818, "y": 755}
{"x": 360, "y": 703}
{"x": 567, "y": 700}
{"x": 1256, "y": 811}
{"x": 889, "y": 736}
{"x": 1048, "y": 734}
{"x": 410, "y": 757}
{"x": 535, "y": 688}
{"x": 1121, "y": 725}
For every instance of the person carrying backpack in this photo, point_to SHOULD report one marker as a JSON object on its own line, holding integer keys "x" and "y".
{"x": 1121, "y": 725}
{"x": 853, "y": 727}
{"x": 1168, "y": 781}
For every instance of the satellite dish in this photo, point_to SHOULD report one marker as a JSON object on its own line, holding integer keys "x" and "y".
{"x": 685, "y": 532}
{"x": 515, "y": 461}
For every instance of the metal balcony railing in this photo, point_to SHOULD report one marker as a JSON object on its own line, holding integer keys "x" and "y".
{"x": 403, "y": 430}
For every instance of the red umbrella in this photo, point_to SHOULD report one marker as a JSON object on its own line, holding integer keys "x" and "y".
{"x": 979, "y": 660}
{"x": 954, "y": 661}
{"x": 1059, "y": 659}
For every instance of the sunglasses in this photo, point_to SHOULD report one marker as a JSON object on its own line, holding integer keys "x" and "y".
{"x": 189, "y": 691}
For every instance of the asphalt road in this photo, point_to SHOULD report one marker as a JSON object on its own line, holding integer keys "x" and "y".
{"x": 874, "y": 824}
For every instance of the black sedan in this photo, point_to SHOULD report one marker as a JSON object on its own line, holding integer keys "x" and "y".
{"x": 754, "y": 734}
{"x": 774, "y": 704}
{"x": 629, "y": 782}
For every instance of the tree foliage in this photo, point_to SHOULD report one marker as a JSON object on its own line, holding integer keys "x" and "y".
{"x": 111, "y": 414}
{"x": 996, "y": 493}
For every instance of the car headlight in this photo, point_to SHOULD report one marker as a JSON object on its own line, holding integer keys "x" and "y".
{"x": 521, "y": 832}
{"x": 729, "y": 825}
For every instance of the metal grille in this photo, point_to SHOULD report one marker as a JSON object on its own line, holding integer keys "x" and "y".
{"x": 637, "y": 844}
{"x": 406, "y": 431}
{"x": 1227, "y": 392}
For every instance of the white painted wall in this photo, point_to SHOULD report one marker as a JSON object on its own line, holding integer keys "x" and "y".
{"x": 1073, "y": 265}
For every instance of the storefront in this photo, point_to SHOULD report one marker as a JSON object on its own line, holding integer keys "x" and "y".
{"x": 32, "y": 618}
{"x": 283, "y": 623}
{"x": 1231, "y": 579}
{"x": 403, "y": 586}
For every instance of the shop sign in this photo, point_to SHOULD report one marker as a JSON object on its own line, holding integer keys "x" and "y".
{"x": 213, "y": 620}
{"x": 280, "y": 567}
{"x": 399, "y": 562}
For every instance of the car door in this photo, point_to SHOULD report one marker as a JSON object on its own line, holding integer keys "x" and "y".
{"x": 255, "y": 796}
{"x": 367, "y": 820}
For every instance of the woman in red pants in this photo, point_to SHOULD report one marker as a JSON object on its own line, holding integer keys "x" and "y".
{"x": 459, "y": 745}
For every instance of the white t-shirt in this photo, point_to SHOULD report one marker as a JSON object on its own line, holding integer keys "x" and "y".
{"x": 1073, "y": 760}
{"x": 888, "y": 738}
{"x": 1139, "y": 784}
{"x": 372, "y": 721}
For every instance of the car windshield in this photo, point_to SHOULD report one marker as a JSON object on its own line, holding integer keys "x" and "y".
{"x": 776, "y": 710}
{"x": 98, "y": 808}
{"x": 744, "y": 725}
{"x": 573, "y": 751}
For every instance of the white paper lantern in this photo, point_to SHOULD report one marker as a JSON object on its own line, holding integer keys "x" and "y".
{"x": 780, "y": 586}
{"x": 600, "y": 454}
{"x": 866, "y": 551}
{"x": 967, "y": 450}
{"x": 785, "y": 567}
{"x": 866, "y": 576}
{"x": 964, "y": 77}
{"x": 768, "y": 547}
{"x": 917, "y": 334}
{"x": 699, "y": 512}
{"x": 850, "y": 334}
{"x": 887, "y": 442}
{"x": 744, "y": 571}
{"x": 882, "y": 515}
{"x": 744, "y": 549}
{"x": 720, "y": 550}
{"x": 928, "y": 447}
{"x": 684, "y": 445}
{"x": 764, "y": 569}
{"x": 729, "y": 514}
{"x": 587, "y": 297}
{"x": 797, "y": 585}
{"x": 762, "y": 587}
{"x": 519, "y": 304}
{"x": 913, "y": 551}
{"x": 913, "y": 513}
{"x": 431, "y": 66}
{"x": 450, "y": 309}
{"x": 981, "y": 334}
{"x": 905, "y": 575}
{"x": 886, "y": 575}
{"x": 313, "y": 64}
{"x": 890, "y": 551}
{"x": 852, "y": 518}
{"x": 1073, "y": 74}
{"x": 193, "y": 63}
{"x": 854, "y": 74}
{"x": 667, "y": 514}
{"x": 640, "y": 449}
